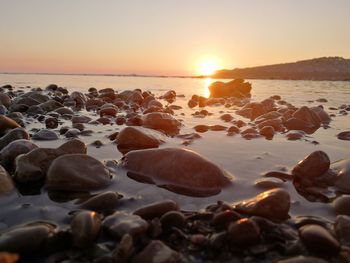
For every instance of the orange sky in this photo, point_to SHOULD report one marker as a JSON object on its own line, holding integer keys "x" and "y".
{"x": 167, "y": 37}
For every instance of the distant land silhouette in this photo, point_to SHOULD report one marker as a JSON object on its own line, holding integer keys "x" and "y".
{"x": 324, "y": 68}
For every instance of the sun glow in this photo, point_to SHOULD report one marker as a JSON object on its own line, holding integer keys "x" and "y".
{"x": 207, "y": 66}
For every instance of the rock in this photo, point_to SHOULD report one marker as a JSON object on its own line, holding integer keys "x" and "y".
{"x": 35, "y": 110}
{"x": 135, "y": 138}
{"x": 308, "y": 116}
{"x": 235, "y": 88}
{"x": 85, "y": 228}
{"x": 6, "y": 184}
{"x": 318, "y": 240}
{"x": 3, "y": 110}
{"x": 156, "y": 251}
{"x": 268, "y": 132}
{"x": 297, "y": 124}
{"x": 5, "y": 100}
{"x": 121, "y": 223}
{"x": 303, "y": 259}
{"x": 244, "y": 232}
{"x": 314, "y": 165}
{"x": 9, "y": 153}
{"x": 276, "y": 124}
{"x": 226, "y": 117}
{"x": 101, "y": 202}
{"x": 79, "y": 98}
{"x": 293, "y": 136}
{"x": 8, "y": 257}
{"x": 50, "y": 105}
{"x": 21, "y": 239}
{"x": 172, "y": 219}
{"x": 13, "y": 135}
{"x": 80, "y": 119}
{"x": 217, "y": 128}
{"x": 233, "y": 129}
{"x": 33, "y": 166}
{"x": 161, "y": 121}
{"x": 45, "y": 135}
{"x": 322, "y": 114}
{"x": 269, "y": 183}
{"x": 177, "y": 170}
{"x": 156, "y": 209}
{"x": 201, "y": 128}
{"x": 343, "y": 177}
{"x": 272, "y": 204}
{"x": 51, "y": 123}
{"x": 77, "y": 172}
{"x": 64, "y": 110}
{"x": 344, "y": 136}
{"x": 7, "y": 123}
{"x": 18, "y": 107}
{"x": 341, "y": 205}
{"x": 169, "y": 96}
{"x": 342, "y": 229}
{"x": 72, "y": 133}
{"x": 192, "y": 103}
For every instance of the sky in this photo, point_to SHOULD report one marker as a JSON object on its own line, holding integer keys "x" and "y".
{"x": 167, "y": 37}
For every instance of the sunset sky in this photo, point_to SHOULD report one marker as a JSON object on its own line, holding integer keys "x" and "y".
{"x": 167, "y": 37}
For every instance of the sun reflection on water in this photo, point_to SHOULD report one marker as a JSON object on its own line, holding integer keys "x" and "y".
{"x": 207, "y": 82}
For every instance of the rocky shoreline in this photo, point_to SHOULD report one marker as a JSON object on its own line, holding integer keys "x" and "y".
{"x": 97, "y": 228}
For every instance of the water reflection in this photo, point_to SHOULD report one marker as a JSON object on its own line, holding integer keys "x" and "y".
{"x": 207, "y": 83}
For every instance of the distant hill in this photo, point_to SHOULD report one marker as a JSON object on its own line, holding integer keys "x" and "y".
{"x": 325, "y": 68}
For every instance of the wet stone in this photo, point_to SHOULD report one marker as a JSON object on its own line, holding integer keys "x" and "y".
{"x": 85, "y": 228}
{"x": 156, "y": 209}
{"x": 6, "y": 184}
{"x": 101, "y": 202}
{"x": 172, "y": 219}
{"x": 244, "y": 232}
{"x": 344, "y": 136}
{"x": 269, "y": 183}
{"x": 20, "y": 239}
{"x": 45, "y": 135}
{"x": 272, "y": 204}
{"x": 156, "y": 251}
{"x": 7, "y": 123}
{"x": 341, "y": 205}
{"x": 121, "y": 223}
{"x": 77, "y": 172}
{"x": 314, "y": 165}
{"x": 51, "y": 123}
{"x": 318, "y": 240}
{"x": 13, "y": 135}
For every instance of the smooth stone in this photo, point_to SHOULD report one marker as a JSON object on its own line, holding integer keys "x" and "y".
{"x": 244, "y": 232}
{"x": 104, "y": 201}
{"x": 34, "y": 110}
{"x": 192, "y": 103}
{"x": 322, "y": 114}
{"x": 222, "y": 219}
{"x": 80, "y": 119}
{"x": 45, "y": 135}
{"x": 341, "y": 205}
{"x": 51, "y": 123}
{"x": 343, "y": 177}
{"x": 178, "y": 170}
{"x": 302, "y": 259}
{"x": 314, "y": 165}
{"x": 5, "y": 100}
{"x": 267, "y": 131}
{"x": 172, "y": 219}
{"x": 272, "y": 204}
{"x": 6, "y": 257}
{"x": 309, "y": 116}
{"x": 226, "y": 117}
{"x": 64, "y": 110}
{"x": 217, "y": 128}
{"x": 235, "y": 88}
{"x": 78, "y": 97}
{"x": 6, "y": 184}
{"x": 85, "y": 228}
{"x": 318, "y": 240}
{"x": 342, "y": 229}
{"x": 72, "y": 133}
{"x": 156, "y": 209}
{"x": 9, "y": 153}
{"x": 3, "y": 110}
{"x": 293, "y": 136}
{"x": 25, "y": 239}
{"x": 77, "y": 172}
{"x": 344, "y": 136}
{"x": 7, "y": 123}
{"x": 269, "y": 183}
{"x": 135, "y": 138}
{"x": 298, "y": 124}
{"x": 13, "y": 135}
{"x": 201, "y": 128}
{"x": 33, "y": 165}
{"x": 156, "y": 252}
{"x": 276, "y": 124}
{"x": 121, "y": 223}
{"x": 161, "y": 121}
{"x": 18, "y": 107}
{"x": 50, "y": 105}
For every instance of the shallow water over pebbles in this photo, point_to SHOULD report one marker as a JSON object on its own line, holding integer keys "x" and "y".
{"x": 247, "y": 160}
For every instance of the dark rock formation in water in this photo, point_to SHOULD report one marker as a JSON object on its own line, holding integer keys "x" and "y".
{"x": 236, "y": 88}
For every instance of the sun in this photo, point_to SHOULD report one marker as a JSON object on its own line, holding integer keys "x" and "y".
{"x": 207, "y": 66}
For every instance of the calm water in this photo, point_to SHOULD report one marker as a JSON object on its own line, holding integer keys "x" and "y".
{"x": 245, "y": 159}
